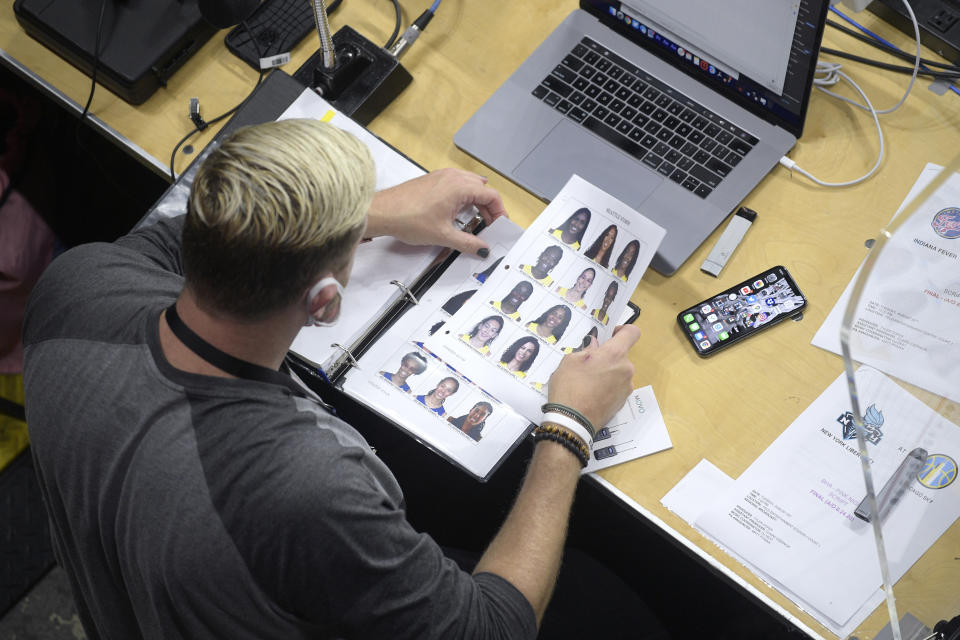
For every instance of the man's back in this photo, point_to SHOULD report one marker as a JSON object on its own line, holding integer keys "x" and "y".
{"x": 190, "y": 506}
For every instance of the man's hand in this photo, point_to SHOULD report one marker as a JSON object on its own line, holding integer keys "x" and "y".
{"x": 422, "y": 210}
{"x": 597, "y": 380}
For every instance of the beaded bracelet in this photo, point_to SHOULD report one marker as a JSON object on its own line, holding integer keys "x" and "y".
{"x": 573, "y": 413}
{"x": 564, "y": 438}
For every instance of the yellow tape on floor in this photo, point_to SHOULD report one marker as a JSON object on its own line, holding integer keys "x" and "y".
{"x": 13, "y": 432}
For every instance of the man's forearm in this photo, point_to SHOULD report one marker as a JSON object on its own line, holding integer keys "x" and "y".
{"x": 529, "y": 546}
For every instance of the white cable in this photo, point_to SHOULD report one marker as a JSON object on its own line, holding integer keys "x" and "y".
{"x": 913, "y": 77}
{"x": 831, "y": 75}
{"x": 792, "y": 166}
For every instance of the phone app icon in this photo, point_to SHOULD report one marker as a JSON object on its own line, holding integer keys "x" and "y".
{"x": 706, "y": 309}
{"x": 732, "y": 296}
{"x": 771, "y": 278}
{"x": 705, "y": 344}
{"x": 723, "y": 335}
{"x": 712, "y": 317}
{"x": 746, "y": 291}
{"x": 699, "y": 335}
{"x": 693, "y": 326}
{"x": 751, "y": 298}
{"x": 758, "y": 284}
{"x": 688, "y": 317}
{"x": 770, "y": 302}
{"x": 761, "y": 317}
{"x": 718, "y": 326}
{"x": 755, "y": 308}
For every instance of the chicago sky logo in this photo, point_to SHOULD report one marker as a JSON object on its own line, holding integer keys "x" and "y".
{"x": 947, "y": 223}
{"x": 939, "y": 471}
{"x": 872, "y": 421}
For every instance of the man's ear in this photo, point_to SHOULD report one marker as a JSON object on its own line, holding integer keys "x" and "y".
{"x": 321, "y": 294}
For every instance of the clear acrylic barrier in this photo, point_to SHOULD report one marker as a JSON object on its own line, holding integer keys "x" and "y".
{"x": 903, "y": 320}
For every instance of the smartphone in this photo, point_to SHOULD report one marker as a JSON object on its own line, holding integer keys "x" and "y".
{"x": 733, "y": 315}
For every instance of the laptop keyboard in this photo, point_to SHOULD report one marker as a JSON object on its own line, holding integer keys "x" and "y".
{"x": 644, "y": 117}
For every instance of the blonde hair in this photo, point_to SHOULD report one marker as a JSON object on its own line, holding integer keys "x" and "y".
{"x": 270, "y": 208}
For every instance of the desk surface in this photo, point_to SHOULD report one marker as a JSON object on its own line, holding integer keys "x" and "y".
{"x": 469, "y": 49}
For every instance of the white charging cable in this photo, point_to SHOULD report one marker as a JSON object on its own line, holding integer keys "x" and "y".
{"x": 830, "y": 74}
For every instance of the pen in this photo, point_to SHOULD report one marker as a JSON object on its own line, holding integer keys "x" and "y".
{"x": 895, "y": 487}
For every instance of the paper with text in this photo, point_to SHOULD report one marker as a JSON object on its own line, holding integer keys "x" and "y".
{"x": 909, "y": 315}
{"x": 790, "y": 514}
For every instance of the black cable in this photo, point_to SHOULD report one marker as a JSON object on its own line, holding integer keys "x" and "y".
{"x": 204, "y": 124}
{"x": 946, "y": 75}
{"x": 96, "y": 60}
{"x": 109, "y": 175}
{"x": 900, "y": 53}
{"x": 396, "y": 28}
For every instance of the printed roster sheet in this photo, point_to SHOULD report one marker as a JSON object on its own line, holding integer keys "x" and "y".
{"x": 568, "y": 277}
{"x": 790, "y": 515}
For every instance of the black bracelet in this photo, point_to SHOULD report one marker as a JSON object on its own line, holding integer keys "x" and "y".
{"x": 571, "y": 413}
{"x": 568, "y": 444}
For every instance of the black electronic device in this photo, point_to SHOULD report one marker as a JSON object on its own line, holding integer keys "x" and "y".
{"x": 741, "y": 311}
{"x": 365, "y": 79}
{"x": 142, "y": 42}
{"x": 939, "y": 22}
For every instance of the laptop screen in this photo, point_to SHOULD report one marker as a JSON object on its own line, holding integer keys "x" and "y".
{"x": 758, "y": 53}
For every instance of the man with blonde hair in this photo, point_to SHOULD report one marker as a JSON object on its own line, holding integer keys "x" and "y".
{"x": 195, "y": 489}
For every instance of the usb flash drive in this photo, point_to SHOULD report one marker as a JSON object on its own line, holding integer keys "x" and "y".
{"x": 729, "y": 240}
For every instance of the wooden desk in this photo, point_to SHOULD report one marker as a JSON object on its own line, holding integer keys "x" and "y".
{"x": 469, "y": 49}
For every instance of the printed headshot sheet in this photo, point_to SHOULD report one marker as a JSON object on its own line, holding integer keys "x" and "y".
{"x": 441, "y": 406}
{"x": 790, "y": 515}
{"x": 569, "y": 276}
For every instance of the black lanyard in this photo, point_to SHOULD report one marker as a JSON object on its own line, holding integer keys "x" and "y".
{"x": 224, "y": 361}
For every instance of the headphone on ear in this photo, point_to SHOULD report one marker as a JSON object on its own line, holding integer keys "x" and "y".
{"x": 226, "y": 13}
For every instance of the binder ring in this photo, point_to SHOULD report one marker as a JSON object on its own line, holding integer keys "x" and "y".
{"x": 346, "y": 352}
{"x": 406, "y": 291}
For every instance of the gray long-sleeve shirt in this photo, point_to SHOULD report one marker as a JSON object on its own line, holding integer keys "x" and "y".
{"x": 187, "y": 506}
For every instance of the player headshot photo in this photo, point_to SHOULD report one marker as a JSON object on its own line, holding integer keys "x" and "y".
{"x": 608, "y": 297}
{"x": 552, "y": 323}
{"x": 411, "y": 364}
{"x": 626, "y": 260}
{"x": 518, "y": 357}
{"x": 483, "y": 333}
{"x": 545, "y": 263}
{"x": 590, "y": 335}
{"x": 472, "y": 422}
{"x": 574, "y": 293}
{"x": 435, "y": 398}
{"x": 510, "y": 303}
{"x": 571, "y": 231}
{"x": 602, "y": 247}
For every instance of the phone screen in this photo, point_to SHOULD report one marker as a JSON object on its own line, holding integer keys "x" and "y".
{"x": 741, "y": 311}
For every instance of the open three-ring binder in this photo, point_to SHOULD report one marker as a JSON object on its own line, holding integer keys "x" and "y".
{"x": 403, "y": 345}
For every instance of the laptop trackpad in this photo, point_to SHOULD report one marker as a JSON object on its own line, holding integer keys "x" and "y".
{"x": 569, "y": 150}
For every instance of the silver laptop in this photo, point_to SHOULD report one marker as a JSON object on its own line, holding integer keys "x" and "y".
{"x": 676, "y": 107}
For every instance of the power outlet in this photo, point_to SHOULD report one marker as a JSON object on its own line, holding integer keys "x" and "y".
{"x": 939, "y": 22}
{"x": 942, "y": 20}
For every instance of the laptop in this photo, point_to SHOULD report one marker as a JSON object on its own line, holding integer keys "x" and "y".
{"x": 676, "y": 107}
